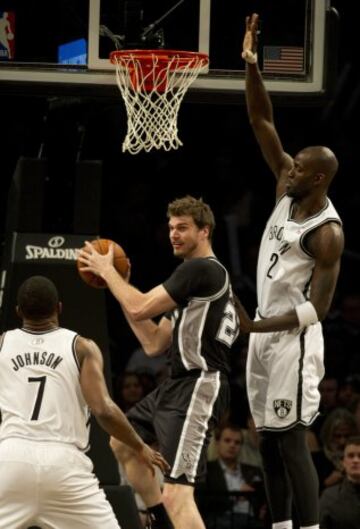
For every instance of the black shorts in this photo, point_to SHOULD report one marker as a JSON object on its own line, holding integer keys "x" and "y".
{"x": 180, "y": 415}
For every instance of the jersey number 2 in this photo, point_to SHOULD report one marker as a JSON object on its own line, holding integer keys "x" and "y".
{"x": 39, "y": 397}
{"x": 274, "y": 259}
{"x": 229, "y": 326}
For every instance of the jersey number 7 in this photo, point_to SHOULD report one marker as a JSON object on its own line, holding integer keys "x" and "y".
{"x": 39, "y": 397}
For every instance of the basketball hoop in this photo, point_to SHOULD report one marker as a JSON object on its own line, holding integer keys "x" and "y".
{"x": 153, "y": 84}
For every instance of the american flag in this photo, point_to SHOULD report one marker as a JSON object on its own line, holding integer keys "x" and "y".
{"x": 283, "y": 59}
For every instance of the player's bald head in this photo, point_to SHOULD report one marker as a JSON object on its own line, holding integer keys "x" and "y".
{"x": 322, "y": 161}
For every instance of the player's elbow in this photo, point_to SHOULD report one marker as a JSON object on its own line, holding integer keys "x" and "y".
{"x": 137, "y": 313}
{"x": 321, "y": 313}
{"x": 254, "y": 121}
{"x": 321, "y": 310}
{"x": 159, "y": 343}
{"x": 153, "y": 349}
{"x": 103, "y": 410}
{"x": 257, "y": 122}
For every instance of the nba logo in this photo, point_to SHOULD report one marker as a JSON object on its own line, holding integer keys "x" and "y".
{"x": 7, "y": 35}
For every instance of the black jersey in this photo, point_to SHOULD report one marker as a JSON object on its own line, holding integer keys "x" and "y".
{"x": 205, "y": 323}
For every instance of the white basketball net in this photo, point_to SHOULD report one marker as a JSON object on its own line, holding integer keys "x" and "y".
{"x": 153, "y": 93}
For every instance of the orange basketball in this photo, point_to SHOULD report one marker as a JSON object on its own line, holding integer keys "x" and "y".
{"x": 120, "y": 262}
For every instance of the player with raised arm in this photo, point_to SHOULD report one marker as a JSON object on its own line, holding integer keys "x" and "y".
{"x": 198, "y": 328}
{"x": 50, "y": 380}
{"x": 298, "y": 267}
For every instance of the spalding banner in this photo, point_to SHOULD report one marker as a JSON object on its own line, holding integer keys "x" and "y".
{"x": 47, "y": 248}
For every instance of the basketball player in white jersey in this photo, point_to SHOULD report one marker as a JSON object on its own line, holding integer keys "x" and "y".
{"x": 298, "y": 267}
{"x": 50, "y": 378}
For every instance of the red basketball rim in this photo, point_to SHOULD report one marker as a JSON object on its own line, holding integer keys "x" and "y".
{"x": 146, "y": 57}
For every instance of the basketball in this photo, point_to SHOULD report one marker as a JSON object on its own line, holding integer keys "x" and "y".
{"x": 120, "y": 262}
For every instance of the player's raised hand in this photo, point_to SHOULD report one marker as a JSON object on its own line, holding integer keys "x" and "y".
{"x": 250, "y": 38}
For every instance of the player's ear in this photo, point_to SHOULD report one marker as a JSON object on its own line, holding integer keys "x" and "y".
{"x": 206, "y": 230}
{"x": 59, "y": 307}
{"x": 18, "y": 311}
{"x": 319, "y": 178}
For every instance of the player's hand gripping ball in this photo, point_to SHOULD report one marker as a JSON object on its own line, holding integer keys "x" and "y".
{"x": 120, "y": 262}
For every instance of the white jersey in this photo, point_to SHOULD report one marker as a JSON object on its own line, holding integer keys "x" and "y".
{"x": 285, "y": 265}
{"x": 40, "y": 393}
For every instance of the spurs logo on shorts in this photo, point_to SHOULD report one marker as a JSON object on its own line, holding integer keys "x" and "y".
{"x": 188, "y": 460}
{"x": 282, "y": 407}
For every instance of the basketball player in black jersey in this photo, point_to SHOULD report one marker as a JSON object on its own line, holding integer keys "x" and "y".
{"x": 298, "y": 267}
{"x": 198, "y": 328}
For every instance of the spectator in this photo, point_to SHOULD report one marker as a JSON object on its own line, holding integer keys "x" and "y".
{"x": 220, "y": 498}
{"x": 340, "y": 504}
{"x": 349, "y": 390}
{"x": 128, "y": 390}
{"x": 355, "y": 409}
{"x": 328, "y": 388}
{"x": 139, "y": 361}
{"x": 250, "y": 452}
{"x": 337, "y": 428}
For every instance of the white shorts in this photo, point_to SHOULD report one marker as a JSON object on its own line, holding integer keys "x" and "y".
{"x": 283, "y": 373}
{"x": 50, "y": 485}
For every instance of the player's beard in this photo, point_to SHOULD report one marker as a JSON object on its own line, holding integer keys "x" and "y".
{"x": 185, "y": 250}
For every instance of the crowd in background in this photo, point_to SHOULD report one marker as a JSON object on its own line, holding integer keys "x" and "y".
{"x": 233, "y": 494}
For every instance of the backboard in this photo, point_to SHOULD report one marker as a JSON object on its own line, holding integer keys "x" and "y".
{"x": 292, "y": 43}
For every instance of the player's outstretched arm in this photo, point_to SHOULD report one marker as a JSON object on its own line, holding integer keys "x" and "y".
{"x": 260, "y": 109}
{"x": 107, "y": 413}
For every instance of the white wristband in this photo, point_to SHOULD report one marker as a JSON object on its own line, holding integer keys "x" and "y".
{"x": 306, "y": 314}
{"x": 249, "y": 56}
